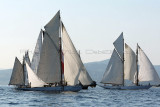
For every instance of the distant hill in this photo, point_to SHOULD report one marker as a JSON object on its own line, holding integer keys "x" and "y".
{"x": 95, "y": 69}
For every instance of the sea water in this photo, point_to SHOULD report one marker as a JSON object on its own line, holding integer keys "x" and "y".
{"x": 94, "y": 97}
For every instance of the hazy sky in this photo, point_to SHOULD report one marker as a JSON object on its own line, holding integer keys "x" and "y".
{"x": 93, "y": 25}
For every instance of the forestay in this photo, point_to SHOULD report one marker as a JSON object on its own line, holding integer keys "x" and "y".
{"x": 17, "y": 77}
{"x": 114, "y": 71}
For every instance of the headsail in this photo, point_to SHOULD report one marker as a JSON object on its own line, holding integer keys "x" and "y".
{"x": 72, "y": 62}
{"x": 119, "y": 45}
{"x": 130, "y": 67}
{"x": 147, "y": 71}
{"x": 36, "y": 55}
{"x": 33, "y": 79}
{"x": 17, "y": 77}
{"x": 114, "y": 71}
{"x": 84, "y": 77}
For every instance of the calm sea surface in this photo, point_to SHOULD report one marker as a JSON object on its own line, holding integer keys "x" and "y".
{"x": 95, "y": 97}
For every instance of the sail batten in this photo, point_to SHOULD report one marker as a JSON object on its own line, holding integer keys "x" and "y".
{"x": 17, "y": 77}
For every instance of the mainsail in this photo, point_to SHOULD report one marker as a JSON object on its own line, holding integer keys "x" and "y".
{"x": 17, "y": 77}
{"x": 114, "y": 71}
{"x": 130, "y": 67}
{"x": 147, "y": 71}
{"x": 36, "y": 54}
{"x": 49, "y": 68}
{"x": 33, "y": 79}
{"x": 72, "y": 62}
{"x": 119, "y": 45}
{"x": 49, "y": 65}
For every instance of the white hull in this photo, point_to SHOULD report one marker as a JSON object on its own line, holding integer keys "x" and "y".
{"x": 53, "y": 89}
{"x": 126, "y": 87}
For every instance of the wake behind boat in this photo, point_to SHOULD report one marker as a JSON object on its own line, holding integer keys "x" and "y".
{"x": 55, "y": 66}
{"x": 129, "y": 66}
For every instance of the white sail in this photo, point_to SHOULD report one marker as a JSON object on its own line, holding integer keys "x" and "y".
{"x": 26, "y": 57}
{"x": 36, "y": 55}
{"x": 72, "y": 62}
{"x": 33, "y": 79}
{"x": 84, "y": 77}
{"x": 147, "y": 71}
{"x": 53, "y": 29}
{"x": 119, "y": 45}
{"x": 130, "y": 67}
{"x": 17, "y": 77}
{"x": 49, "y": 64}
{"x": 114, "y": 71}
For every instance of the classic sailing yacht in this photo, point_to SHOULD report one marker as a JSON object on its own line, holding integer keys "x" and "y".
{"x": 45, "y": 73}
{"x": 129, "y": 66}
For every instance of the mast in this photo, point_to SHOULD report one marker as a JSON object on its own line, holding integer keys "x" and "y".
{"x": 137, "y": 64}
{"x": 24, "y": 77}
{"x": 123, "y": 61}
{"x": 60, "y": 42}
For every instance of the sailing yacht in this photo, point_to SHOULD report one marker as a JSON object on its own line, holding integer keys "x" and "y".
{"x": 55, "y": 66}
{"x": 126, "y": 65}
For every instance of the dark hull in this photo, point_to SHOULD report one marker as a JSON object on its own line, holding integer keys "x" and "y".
{"x": 53, "y": 89}
{"x": 127, "y": 87}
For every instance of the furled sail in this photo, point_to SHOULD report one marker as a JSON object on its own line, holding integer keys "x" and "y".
{"x": 17, "y": 77}
{"x": 72, "y": 62}
{"x": 114, "y": 71}
{"x": 36, "y": 54}
{"x": 147, "y": 71}
{"x": 119, "y": 45}
{"x": 49, "y": 65}
{"x": 33, "y": 79}
{"x": 130, "y": 67}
